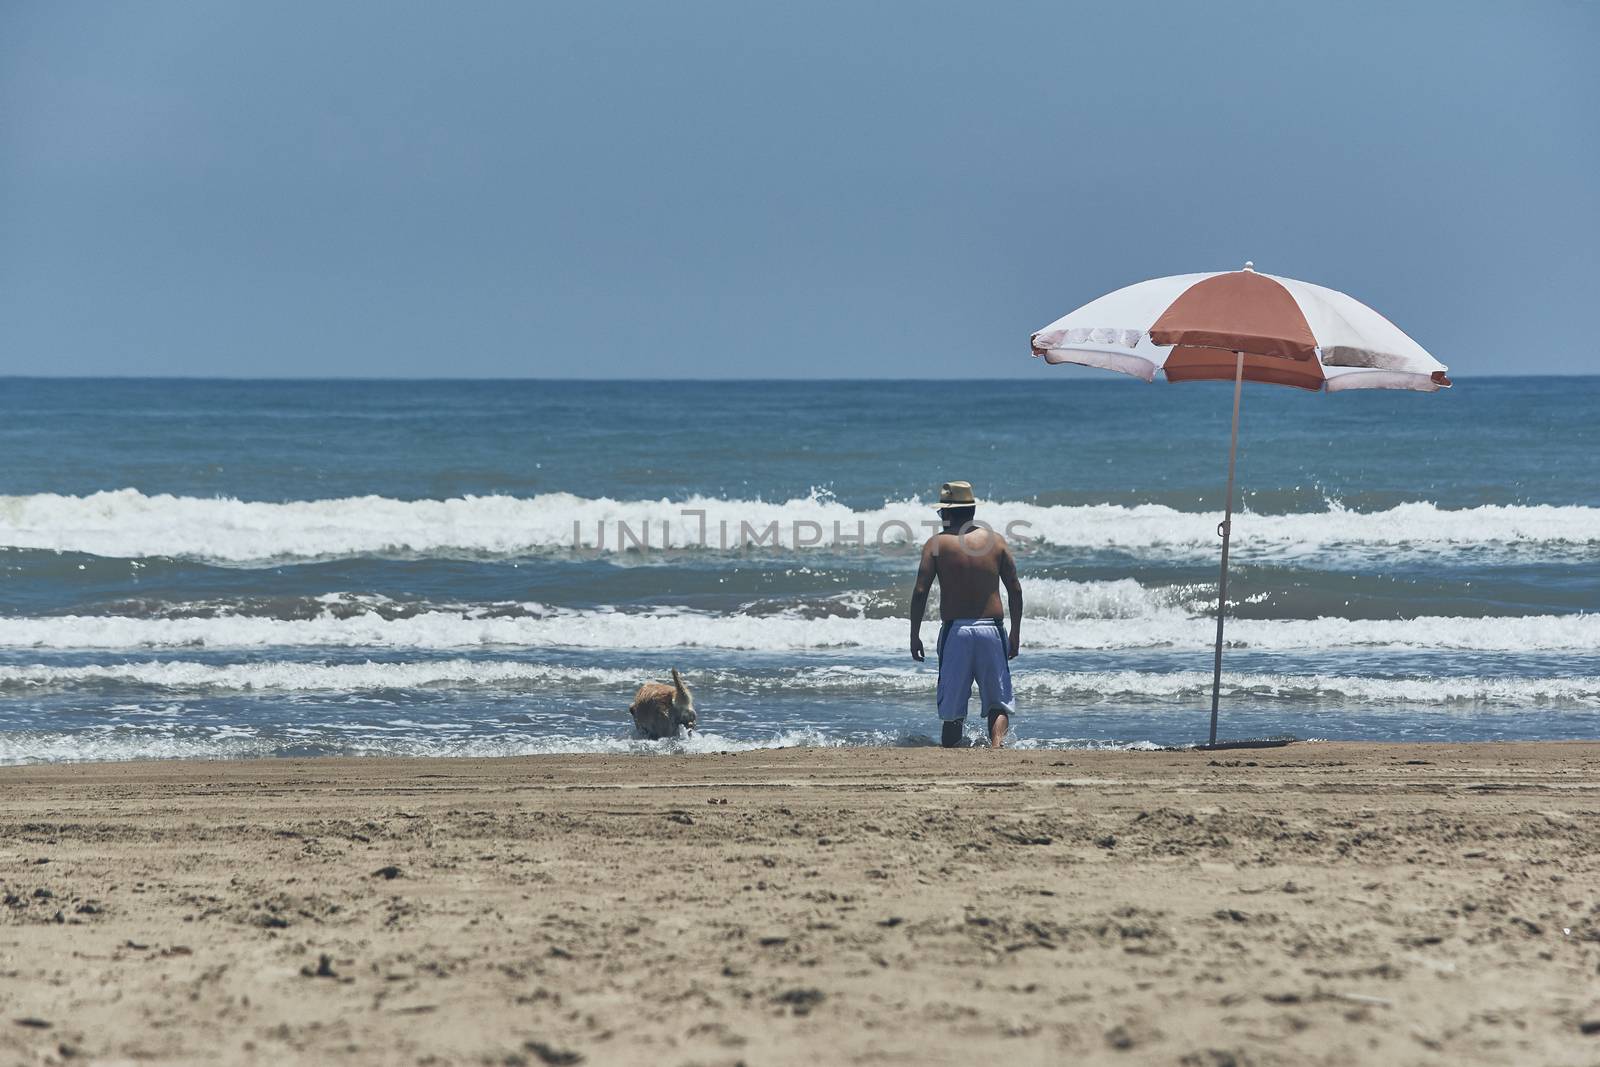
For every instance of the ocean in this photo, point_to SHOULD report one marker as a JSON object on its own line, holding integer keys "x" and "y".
{"x": 297, "y": 568}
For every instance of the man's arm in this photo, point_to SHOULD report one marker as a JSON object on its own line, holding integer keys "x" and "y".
{"x": 919, "y": 597}
{"x": 1008, "y": 575}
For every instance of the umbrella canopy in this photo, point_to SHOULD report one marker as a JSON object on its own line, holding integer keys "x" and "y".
{"x": 1192, "y": 326}
{"x": 1240, "y": 326}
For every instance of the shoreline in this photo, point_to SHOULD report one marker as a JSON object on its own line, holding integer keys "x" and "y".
{"x": 1238, "y": 748}
{"x": 1325, "y": 902}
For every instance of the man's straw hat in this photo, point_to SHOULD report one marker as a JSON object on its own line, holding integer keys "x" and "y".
{"x": 956, "y": 495}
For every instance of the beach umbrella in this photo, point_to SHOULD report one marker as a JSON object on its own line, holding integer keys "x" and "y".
{"x": 1240, "y": 326}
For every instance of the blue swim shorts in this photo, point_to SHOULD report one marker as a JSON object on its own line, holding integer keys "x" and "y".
{"x": 973, "y": 650}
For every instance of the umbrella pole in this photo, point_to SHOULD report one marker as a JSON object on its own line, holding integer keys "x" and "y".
{"x": 1226, "y": 530}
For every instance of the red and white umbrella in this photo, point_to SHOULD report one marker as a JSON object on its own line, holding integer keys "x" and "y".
{"x": 1240, "y": 326}
{"x": 1192, "y": 327}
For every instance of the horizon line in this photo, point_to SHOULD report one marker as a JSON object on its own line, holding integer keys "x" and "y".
{"x": 375, "y": 379}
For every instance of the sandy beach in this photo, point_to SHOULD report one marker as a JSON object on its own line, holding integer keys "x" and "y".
{"x": 1323, "y": 903}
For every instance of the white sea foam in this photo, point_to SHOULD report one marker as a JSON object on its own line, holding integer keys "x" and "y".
{"x": 1124, "y": 598}
{"x": 26, "y": 747}
{"x": 1188, "y": 685}
{"x": 1513, "y": 692}
{"x": 290, "y": 675}
{"x": 33, "y": 746}
{"x": 1047, "y": 598}
{"x": 129, "y": 524}
{"x": 839, "y": 680}
{"x": 778, "y": 633}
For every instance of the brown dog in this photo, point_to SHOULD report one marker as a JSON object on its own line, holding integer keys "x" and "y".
{"x": 658, "y": 709}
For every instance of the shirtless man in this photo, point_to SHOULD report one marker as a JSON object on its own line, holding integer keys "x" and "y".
{"x": 970, "y": 562}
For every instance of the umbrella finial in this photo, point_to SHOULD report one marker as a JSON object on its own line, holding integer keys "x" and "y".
{"x": 1250, "y": 265}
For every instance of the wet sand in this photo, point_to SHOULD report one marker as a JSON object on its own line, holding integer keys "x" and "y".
{"x": 1323, "y": 903}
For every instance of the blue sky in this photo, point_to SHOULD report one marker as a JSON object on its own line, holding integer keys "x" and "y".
{"x": 750, "y": 190}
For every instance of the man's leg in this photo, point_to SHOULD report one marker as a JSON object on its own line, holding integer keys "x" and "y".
{"x": 955, "y": 684}
{"x": 998, "y": 722}
{"x": 994, "y": 685}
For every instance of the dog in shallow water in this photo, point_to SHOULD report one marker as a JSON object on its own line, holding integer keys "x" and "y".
{"x": 659, "y": 709}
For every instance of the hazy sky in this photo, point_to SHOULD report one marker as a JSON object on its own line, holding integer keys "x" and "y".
{"x": 700, "y": 189}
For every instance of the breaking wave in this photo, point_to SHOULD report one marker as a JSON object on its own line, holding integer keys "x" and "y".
{"x": 126, "y": 523}
{"x": 33, "y": 747}
{"x": 48, "y": 747}
{"x": 288, "y": 676}
{"x": 681, "y": 628}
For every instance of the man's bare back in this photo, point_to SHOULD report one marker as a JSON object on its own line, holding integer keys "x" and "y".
{"x": 968, "y": 567}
